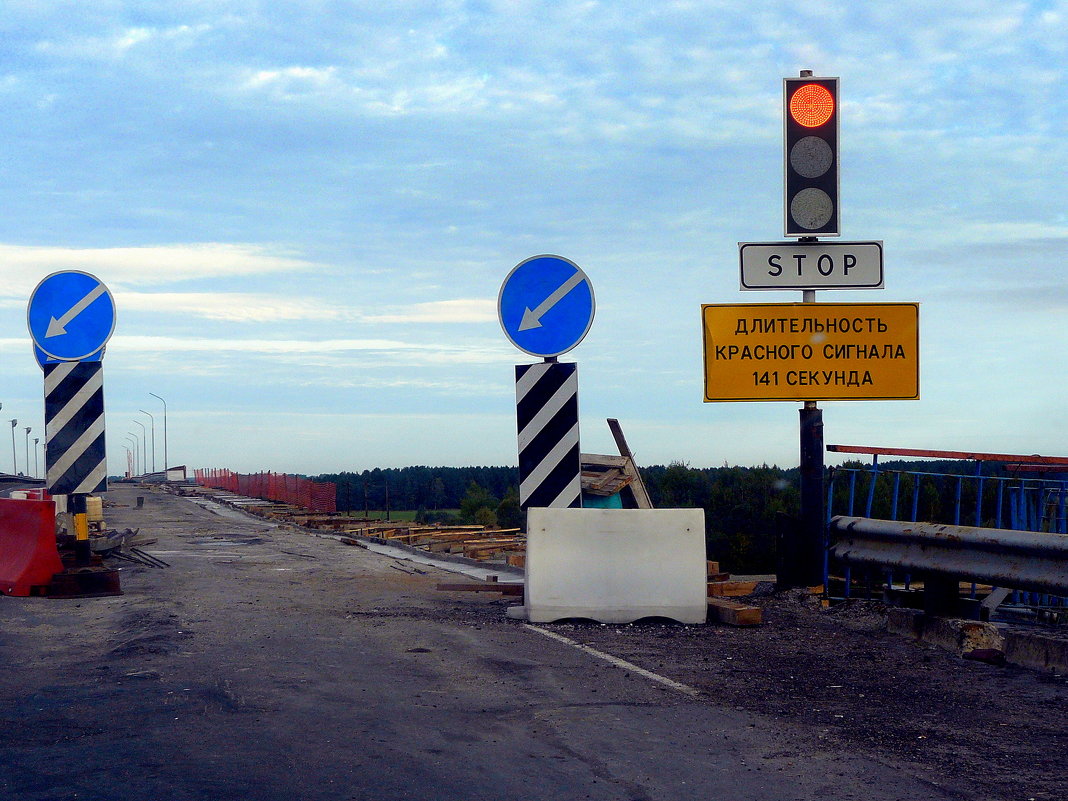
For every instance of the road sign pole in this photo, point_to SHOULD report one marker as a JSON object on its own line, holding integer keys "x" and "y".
{"x": 71, "y": 317}
{"x": 809, "y": 570}
{"x": 547, "y": 424}
{"x": 546, "y": 307}
{"x": 78, "y": 509}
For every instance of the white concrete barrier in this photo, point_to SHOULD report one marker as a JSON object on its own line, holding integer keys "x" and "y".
{"x": 616, "y": 565}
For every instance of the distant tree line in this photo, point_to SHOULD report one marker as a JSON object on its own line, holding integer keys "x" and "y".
{"x": 431, "y": 490}
{"x": 744, "y": 506}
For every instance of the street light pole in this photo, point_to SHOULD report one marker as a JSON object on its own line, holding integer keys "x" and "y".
{"x": 36, "y": 468}
{"x": 14, "y": 461}
{"x": 144, "y": 447}
{"x": 153, "y": 422}
{"x": 28, "y": 429}
{"x": 136, "y": 454}
{"x": 166, "y": 463}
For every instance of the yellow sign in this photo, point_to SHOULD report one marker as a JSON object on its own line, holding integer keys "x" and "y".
{"x": 811, "y": 351}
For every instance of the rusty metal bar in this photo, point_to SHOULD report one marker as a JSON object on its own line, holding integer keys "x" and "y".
{"x": 979, "y": 457}
{"x": 1024, "y": 560}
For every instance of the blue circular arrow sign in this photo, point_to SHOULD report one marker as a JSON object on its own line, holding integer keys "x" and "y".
{"x": 71, "y": 316}
{"x": 546, "y": 305}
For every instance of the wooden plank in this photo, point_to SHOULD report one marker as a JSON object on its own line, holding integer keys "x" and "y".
{"x": 630, "y": 467}
{"x": 603, "y": 460}
{"x": 482, "y": 586}
{"x": 606, "y": 482}
{"x": 517, "y": 559}
{"x": 446, "y": 537}
{"x": 503, "y": 543}
{"x": 730, "y": 588}
{"x": 734, "y": 613}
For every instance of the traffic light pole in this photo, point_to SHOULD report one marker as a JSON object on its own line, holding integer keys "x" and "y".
{"x": 811, "y": 553}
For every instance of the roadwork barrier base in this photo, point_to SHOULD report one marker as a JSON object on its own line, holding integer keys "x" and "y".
{"x": 28, "y": 554}
{"x": 93, "y": 581}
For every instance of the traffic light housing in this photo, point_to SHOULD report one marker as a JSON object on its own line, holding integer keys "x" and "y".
{"x": 810, "y": 120}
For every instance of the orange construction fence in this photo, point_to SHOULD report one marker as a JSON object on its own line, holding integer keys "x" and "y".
{"x": 316, "y": 496}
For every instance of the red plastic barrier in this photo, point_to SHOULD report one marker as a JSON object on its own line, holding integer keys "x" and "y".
{"x": 28, "y": 555}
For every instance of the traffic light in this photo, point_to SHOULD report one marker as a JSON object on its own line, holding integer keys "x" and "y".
{"x": 810, "y": 114}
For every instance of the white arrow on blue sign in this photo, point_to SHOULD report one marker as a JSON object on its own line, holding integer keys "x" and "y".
{"x": 546, "y": 305}
{"x": 71, "y": 316}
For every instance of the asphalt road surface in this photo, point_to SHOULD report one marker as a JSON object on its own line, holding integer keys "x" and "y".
{"x": 269, "y": 664}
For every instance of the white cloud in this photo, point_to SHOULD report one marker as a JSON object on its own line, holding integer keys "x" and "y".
{"x": 263, "y": 346}
{"x": 22, "y": 266}
{"x": 299, "y": 353}
{"x": 476, "y": 310}
{"x": 238, "y": 307}
{"x": 115, "y": 44}
{"x": 292, "y": 81}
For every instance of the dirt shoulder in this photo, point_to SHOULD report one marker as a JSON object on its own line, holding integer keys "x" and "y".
{"x": 841, "y": 676}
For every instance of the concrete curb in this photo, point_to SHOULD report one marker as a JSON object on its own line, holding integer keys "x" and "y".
{"x": 1036, "y": 651}
{"x": 986, "y": 642}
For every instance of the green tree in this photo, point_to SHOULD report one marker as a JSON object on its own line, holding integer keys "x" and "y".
{"x": 475, "y": 499}
{"x": 437, "y": 492}
{"x": 681, "y": 486}
{"x": 486, "y": 517}
{"x": 509, "y": 515}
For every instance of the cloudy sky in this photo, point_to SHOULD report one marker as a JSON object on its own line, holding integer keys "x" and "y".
{"x": 305, "y": 211}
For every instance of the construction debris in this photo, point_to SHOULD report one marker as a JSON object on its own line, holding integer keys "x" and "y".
{"x": 125, "y": 546}
{"x": 601, "y": 475}
{"x": 480, "y": 543}
{"x": 734, "y": 613}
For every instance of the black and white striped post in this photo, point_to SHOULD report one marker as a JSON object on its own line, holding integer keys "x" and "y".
{"x": 546, "y": 307}
{"x": 547, "y": 420}
{"x": 75, "y": 457}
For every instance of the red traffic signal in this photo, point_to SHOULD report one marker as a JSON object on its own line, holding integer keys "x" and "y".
{"x": 810, "y": 121}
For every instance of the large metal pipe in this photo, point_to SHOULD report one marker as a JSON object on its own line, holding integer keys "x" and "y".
{"x": 1021, "y": 560}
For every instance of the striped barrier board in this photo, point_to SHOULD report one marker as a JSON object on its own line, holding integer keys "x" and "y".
{"x": 74, "y": 428}
{"x": 550, "y": 466}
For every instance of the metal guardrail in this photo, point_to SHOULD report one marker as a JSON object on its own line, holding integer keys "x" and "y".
{"x": 1028, "y": 499}
{"x": 1027, "y": 504}
{"x": 1023, "y": 560}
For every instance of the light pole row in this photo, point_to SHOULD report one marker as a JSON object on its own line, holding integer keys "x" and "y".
{"x": 143, "y": 440}
{"x": 141, "y": 460}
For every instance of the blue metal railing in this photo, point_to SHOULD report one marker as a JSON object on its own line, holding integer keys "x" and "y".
{"x": 1015, "y": 502}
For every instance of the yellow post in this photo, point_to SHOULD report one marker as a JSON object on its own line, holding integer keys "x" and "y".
{"x": 76, "y": 505}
